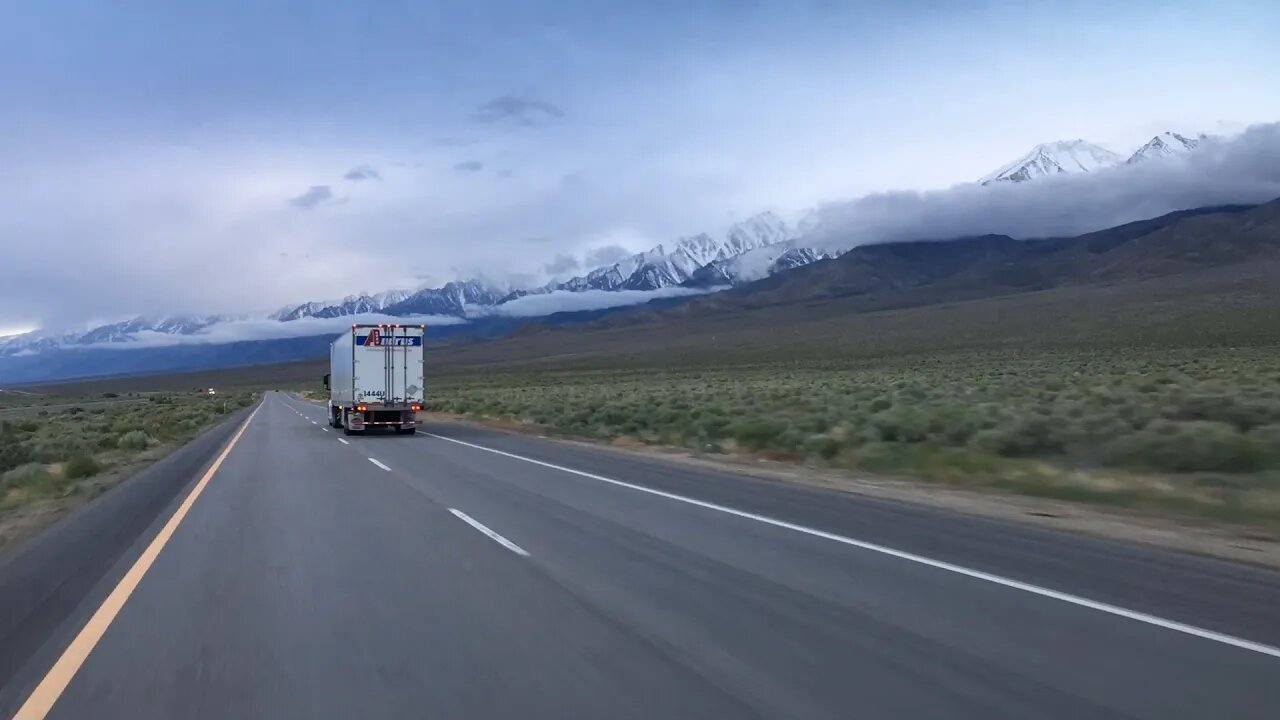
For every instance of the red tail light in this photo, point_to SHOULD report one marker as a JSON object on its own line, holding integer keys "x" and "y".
{"x": 415, "y": 407}
{"x": 361, "y": 408}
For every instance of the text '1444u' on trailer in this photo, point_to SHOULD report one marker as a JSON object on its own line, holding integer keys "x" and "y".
{"x": 376, "y": 378}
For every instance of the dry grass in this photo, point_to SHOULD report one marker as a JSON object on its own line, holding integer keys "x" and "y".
{"x": 1193, "y": 431}
{"x": 51, "y": 453}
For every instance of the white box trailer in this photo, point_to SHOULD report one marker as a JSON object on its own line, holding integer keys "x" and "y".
{"x": 376, "y": 378}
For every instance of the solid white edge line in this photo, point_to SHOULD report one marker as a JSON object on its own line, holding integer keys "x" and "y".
{"x": 375, "y": 462}
{"x": 343, "y": 441}
{"x": 491, "y": 534}
{"x": 911, "y": 557}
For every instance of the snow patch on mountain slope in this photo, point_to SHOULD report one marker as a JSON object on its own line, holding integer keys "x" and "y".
{"x": 1164, "y": 145}
{"x": 349, "y": 305}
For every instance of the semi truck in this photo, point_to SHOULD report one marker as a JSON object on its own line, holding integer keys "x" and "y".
{"x": 376, "y": 378}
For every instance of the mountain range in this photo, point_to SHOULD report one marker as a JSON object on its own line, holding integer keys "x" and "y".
{"x": 757, "y": 255}
{"x": 1178, "y": 249}
{"x": 1081, "y": 156}
{"x": 764, "y": 237}
{"x": 1198, "y": 278}
{"x": 658, "y": 268}
{"x": 1219, "y": 264}
{"x": 746, "y": 251}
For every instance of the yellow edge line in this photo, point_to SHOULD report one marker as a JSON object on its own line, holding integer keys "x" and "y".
{"x": 60, "y": 675}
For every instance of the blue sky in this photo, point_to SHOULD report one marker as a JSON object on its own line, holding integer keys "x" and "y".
{"x": 189, "y": 157}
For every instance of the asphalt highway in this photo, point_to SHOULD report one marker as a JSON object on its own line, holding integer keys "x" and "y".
{"x": 466, "y": 573}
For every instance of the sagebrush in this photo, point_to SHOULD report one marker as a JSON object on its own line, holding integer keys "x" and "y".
{"x": 1208, "y": 418}
{"x": 46, "y": 452}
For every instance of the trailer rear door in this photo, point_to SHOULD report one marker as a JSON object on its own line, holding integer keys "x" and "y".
{"x": 388, "y": 364}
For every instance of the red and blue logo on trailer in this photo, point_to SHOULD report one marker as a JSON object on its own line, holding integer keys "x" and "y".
{"x": 375, "y": 338}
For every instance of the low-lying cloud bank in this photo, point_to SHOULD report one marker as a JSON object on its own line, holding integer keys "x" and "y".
{"x": 1242, "y": 170}
{"x": 564, "y": 301}
{"x": 266, "y": 329}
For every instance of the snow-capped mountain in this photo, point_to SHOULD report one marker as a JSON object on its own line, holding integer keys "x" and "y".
{"x": 794, "y": 258}
{"x": 456, "y": 298}
{"x": 1164, "y": 145}
{"x": 1079, "y": 156}
{"x": 754, "y": 232}
{"x": 1054, "y": 158}
{"x": 177, "y": 325}
{"x": 349, "y": 305}
{"x": 123, "y": 331}
{"x": 660, "y": 267}
{"x": 657, "y": 269}
{"x": 753, "y": 265}
{"x": 28, "y": 343}
{"x": 611, "y": 277}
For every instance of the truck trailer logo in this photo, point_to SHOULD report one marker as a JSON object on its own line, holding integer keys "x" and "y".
{"x": 375, "y": 338}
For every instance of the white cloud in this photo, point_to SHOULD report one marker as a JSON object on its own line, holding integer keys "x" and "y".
{"x": 561, "y": 265}
{"x": 563, "y": 301}
{"x": 606, "y": 255}
{"x": 264, "y": 329}
{"x": 1241, "y": 170}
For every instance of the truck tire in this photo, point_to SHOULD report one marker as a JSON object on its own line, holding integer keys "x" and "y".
{"x": 407, "y": 431}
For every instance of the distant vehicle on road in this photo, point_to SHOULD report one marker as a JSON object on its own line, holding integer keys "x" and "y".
{"x": 212, "y": 391}
{"x": 376, "y": 378}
